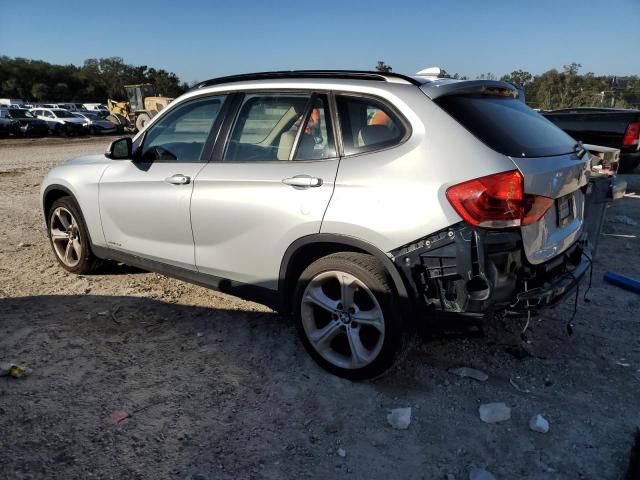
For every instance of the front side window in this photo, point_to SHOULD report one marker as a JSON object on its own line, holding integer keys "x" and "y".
{"x": 281, "y": 126}
{"x": 367, "y": 124}
{"x": 181, "y": 134}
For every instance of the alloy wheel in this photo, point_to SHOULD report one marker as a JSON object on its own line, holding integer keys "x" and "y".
{"x": 65, "y": 236}
{"x": 342, "y": 319}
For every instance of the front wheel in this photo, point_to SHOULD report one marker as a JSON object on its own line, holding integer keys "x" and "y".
{"x": 347, "y": 315}
{"x": 69, "y": 238}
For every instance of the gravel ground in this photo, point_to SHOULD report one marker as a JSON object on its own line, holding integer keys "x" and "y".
{"x": 219, "y": 388}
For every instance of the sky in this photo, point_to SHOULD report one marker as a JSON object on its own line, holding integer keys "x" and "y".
{"x": 199, "y": 39}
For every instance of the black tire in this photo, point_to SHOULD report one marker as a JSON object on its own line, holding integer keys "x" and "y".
{"x": 398, "y": 331}
{"x": 87, "y": 261}
{"x": 62, "y": 131}
{"x": 142, "y": 120}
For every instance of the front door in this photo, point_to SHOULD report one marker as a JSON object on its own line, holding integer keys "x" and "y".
{"x": 270, "y": 187}
{"x": 144, "y": 203}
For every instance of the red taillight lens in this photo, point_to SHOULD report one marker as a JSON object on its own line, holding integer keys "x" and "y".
{"x": 497, "y": 201}
{"x": 632, "y": 135}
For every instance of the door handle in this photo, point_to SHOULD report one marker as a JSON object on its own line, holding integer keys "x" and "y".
{"x": 177, "y": 179}
{"x": 302, "y": 181}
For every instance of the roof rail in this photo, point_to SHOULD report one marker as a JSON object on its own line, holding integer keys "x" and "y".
{"x": 339, "y": 74}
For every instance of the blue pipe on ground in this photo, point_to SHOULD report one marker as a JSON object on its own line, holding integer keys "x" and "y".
{"x": 623, "y": 282}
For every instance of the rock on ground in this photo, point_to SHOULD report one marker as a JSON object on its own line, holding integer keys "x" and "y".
{"x": 400, "y": 418}
{"x": 494, "y": 412}
{"x": 480, "y": 474}
{"x": 467, "y": 372}
{"x": 539, "y": 424}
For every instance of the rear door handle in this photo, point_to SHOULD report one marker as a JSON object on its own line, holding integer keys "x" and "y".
{"x": 302, "y": 181}
{"x": 177, "y": 179}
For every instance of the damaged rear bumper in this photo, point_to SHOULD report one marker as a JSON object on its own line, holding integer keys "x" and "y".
{"x": 474, "y": 271}
{"x": 555, "y": 290}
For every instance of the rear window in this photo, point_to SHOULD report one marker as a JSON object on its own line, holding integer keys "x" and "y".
{"x": 507, "y": 125}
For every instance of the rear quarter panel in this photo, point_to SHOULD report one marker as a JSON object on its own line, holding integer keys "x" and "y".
{"x": 395, "y": 196}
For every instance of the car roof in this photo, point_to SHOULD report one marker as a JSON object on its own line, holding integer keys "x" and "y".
{"x": 311, "y": 74}
{"x": 433, "y": 85}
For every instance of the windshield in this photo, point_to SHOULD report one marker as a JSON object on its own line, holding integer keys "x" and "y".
{"x": 62, "y": 114}
{"x": 19, "y": 113}
{"x": 507, "y": 125}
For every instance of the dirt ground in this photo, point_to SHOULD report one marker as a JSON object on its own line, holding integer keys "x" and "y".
{"x": 219, "y": 388}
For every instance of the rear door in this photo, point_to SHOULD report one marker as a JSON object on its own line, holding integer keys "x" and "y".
{"x": 267, "y": 186}
{"x": 144, "y": 203}
{"x": 546, "y": 156}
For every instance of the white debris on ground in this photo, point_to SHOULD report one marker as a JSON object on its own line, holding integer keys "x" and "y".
{"x": 539, "y": 424}
{"x": 400, "y": 418}
{"x": 480, "y": 474}
{"x": 494, "y": 412}
{"x": 467, "y": 372}
{"x": 342, "y": 452}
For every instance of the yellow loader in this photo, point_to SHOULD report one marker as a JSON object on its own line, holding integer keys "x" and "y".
{"x": 142, "y": 106}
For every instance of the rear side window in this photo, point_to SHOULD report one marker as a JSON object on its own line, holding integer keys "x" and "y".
{"x": 507, "y": 125}
{"x": 367, "y": 124}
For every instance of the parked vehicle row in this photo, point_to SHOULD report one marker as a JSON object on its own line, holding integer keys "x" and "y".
{"x": 20, "y": 122}
{"x": 52, "y": 121}
{"x": 359, "y": 202}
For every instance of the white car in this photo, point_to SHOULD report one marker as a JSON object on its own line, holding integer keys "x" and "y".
{"x": 92, "y": 107}
{"x": 361, "y": 203}
{"x": 61, "y": 122}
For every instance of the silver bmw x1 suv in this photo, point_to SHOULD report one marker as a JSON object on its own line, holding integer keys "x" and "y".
{"x": 359, "y": 202}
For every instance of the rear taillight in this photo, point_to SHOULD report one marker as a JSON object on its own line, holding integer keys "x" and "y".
{"x": 497, "y": 201}
{"x": 632, "y": 135}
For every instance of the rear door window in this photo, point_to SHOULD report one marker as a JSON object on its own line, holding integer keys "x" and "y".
{"x": 368, "y": 124}
{"x": 507, "y": 125}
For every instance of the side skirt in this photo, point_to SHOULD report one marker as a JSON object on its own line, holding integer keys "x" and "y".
{"x": 255, "y": 293}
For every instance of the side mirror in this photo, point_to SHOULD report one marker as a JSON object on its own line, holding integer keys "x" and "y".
{"x": 119, "y": 149}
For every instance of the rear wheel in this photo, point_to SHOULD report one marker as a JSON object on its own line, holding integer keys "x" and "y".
{"x": 69, "y": 238}
{"x": 347, "y": 315}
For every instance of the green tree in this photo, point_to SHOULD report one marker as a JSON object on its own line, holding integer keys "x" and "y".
{"x": 61, "y": 92}
{"x": 40, "y": 91}
{"x": 519, "y": 77}
{"x": 383, "y": 67}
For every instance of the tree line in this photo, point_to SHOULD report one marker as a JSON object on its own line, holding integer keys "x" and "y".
{"x": 101, "y": 78}
{"x": 95, "y": 81}
{"x": 565, "y": 88}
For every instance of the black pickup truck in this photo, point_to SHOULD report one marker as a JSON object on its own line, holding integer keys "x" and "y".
{"x": 609, "y": 127}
